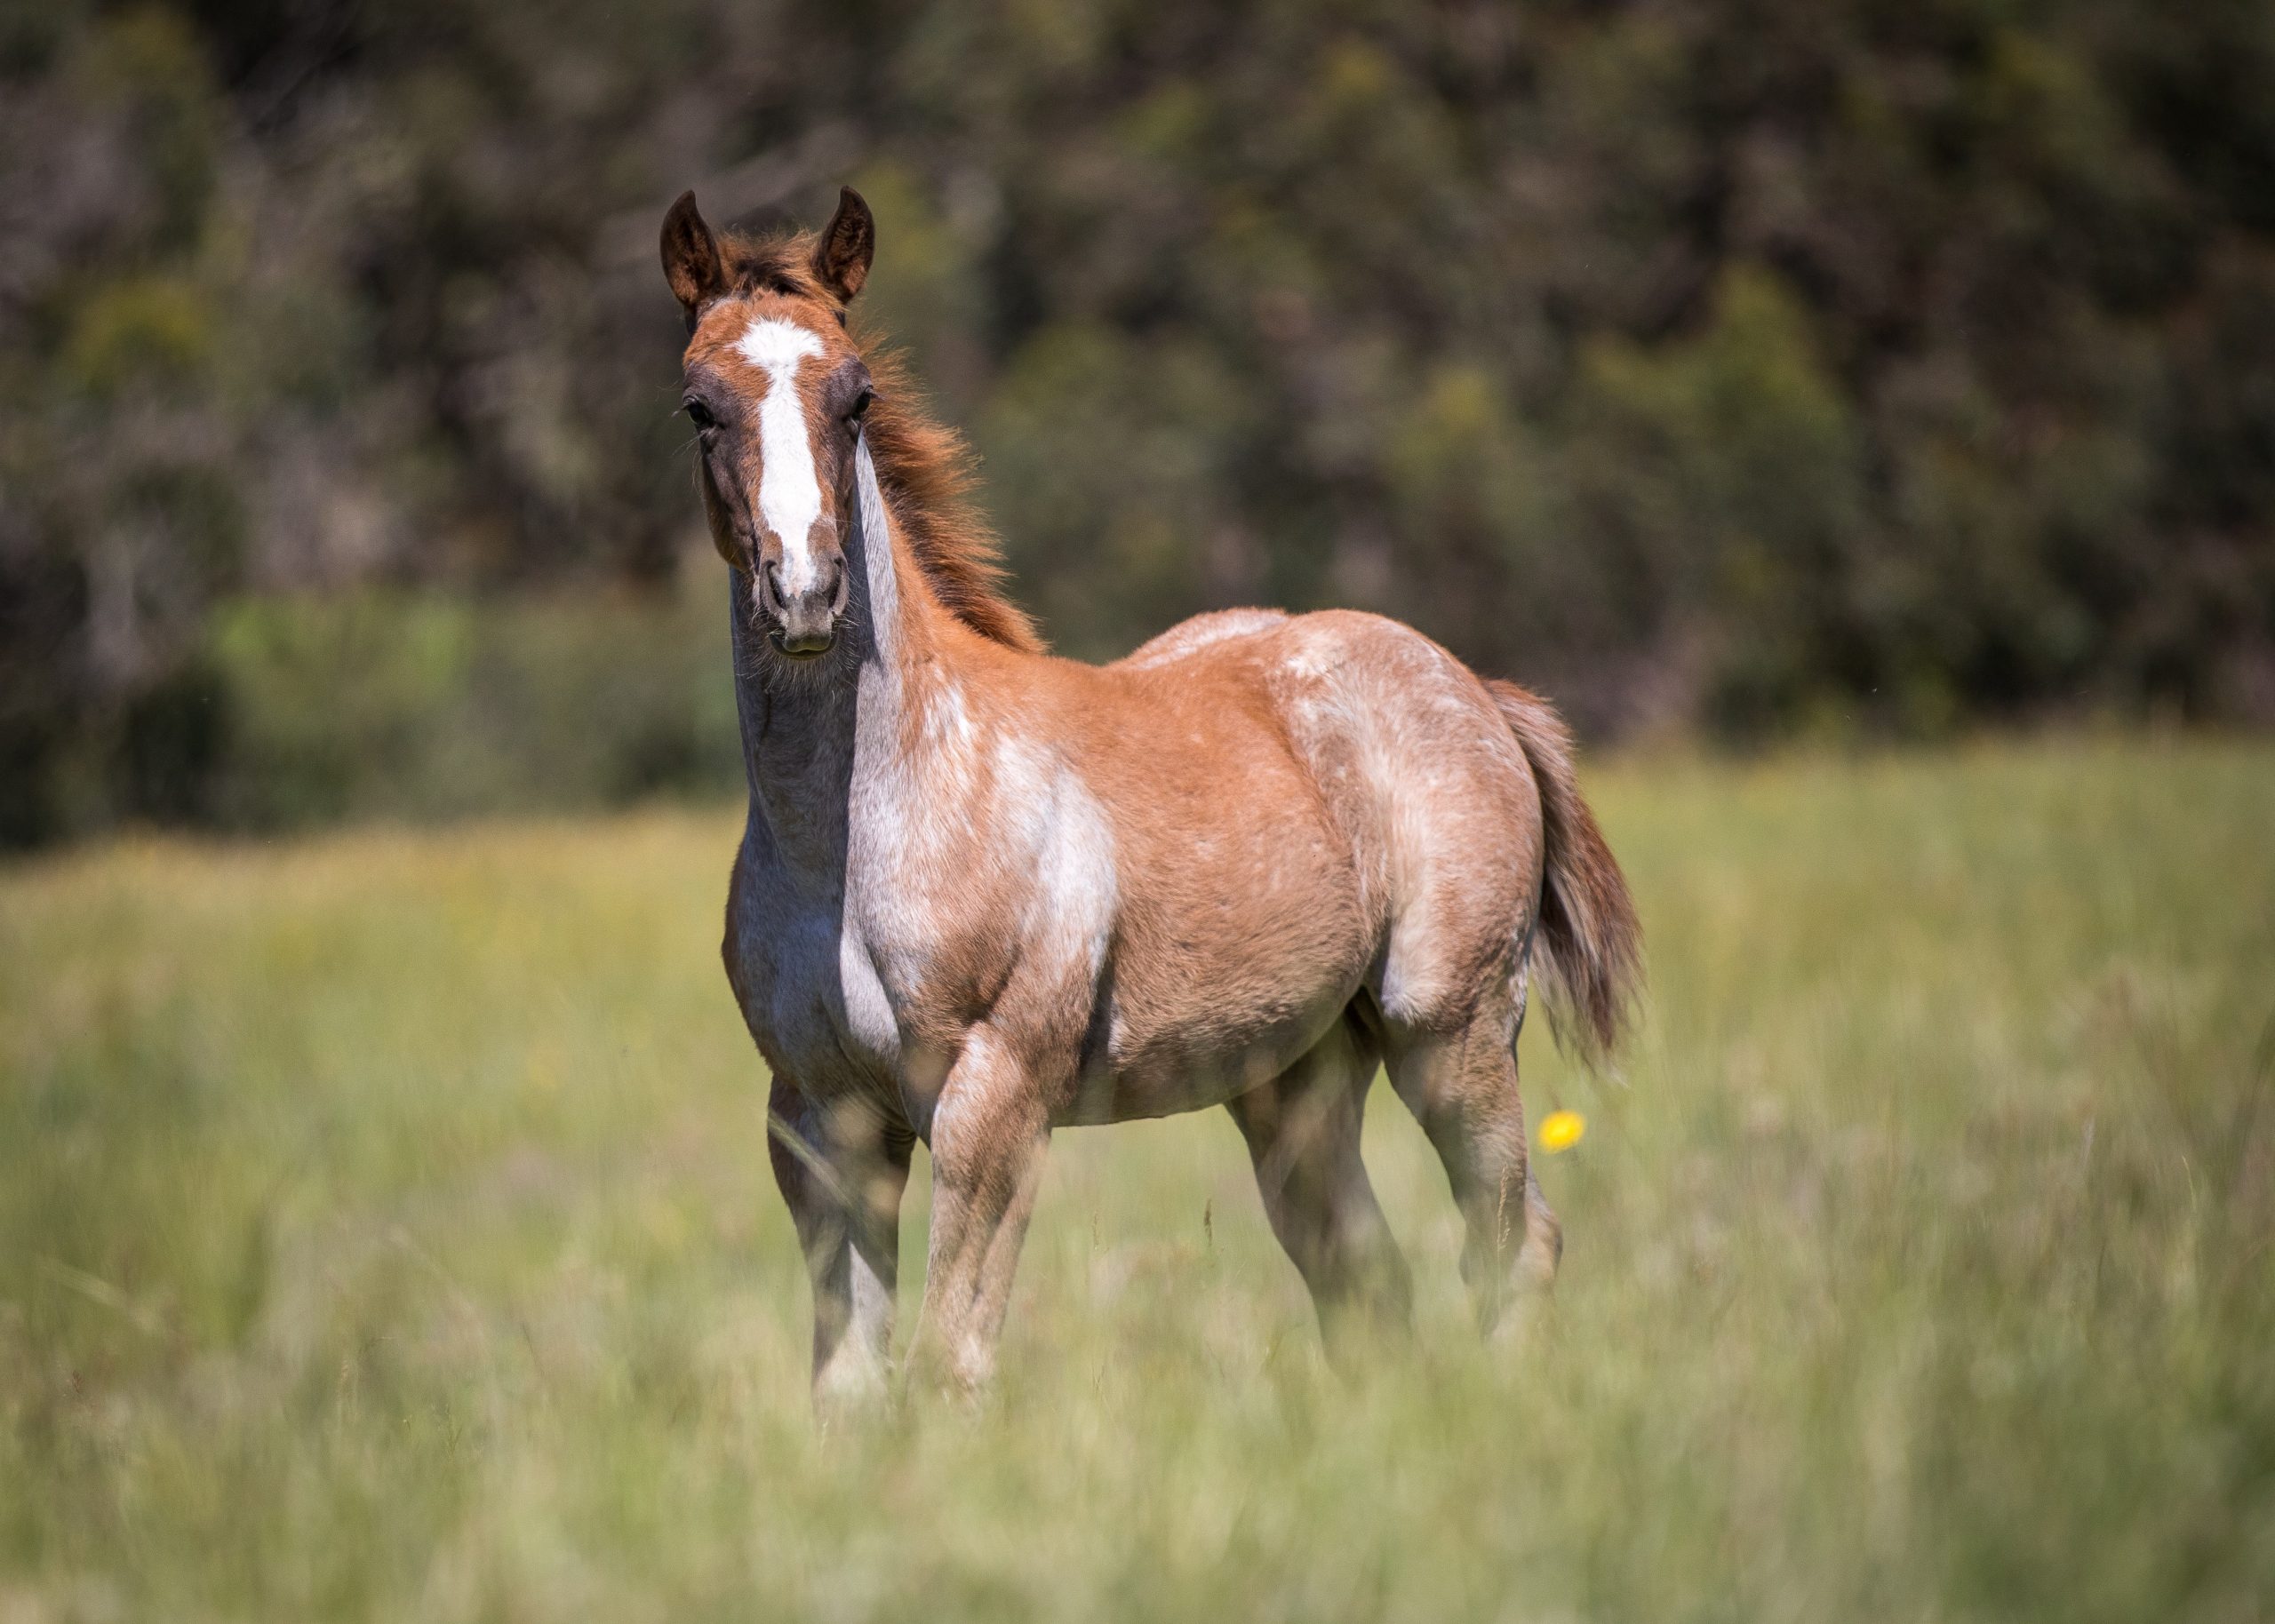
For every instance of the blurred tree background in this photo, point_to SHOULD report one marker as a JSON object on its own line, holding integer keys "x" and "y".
{"x": 1753, "y": 367}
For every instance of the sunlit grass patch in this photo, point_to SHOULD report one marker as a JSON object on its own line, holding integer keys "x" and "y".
{"x": 384, "y": 1230}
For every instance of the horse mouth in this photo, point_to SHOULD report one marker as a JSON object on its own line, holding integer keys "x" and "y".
{"x": 808, "y": 646}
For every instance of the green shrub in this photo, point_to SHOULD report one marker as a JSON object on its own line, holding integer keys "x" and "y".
{"x": 413, "y": 705}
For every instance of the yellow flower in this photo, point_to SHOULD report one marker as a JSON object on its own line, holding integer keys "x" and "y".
{"x": 1560, "y": 1130}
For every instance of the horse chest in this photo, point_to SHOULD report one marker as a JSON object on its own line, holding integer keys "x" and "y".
{"x": 985, "y": 885}
{"x": 809, "y": 984}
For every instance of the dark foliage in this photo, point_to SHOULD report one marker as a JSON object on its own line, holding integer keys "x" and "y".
{"x": 1763, "y": 365}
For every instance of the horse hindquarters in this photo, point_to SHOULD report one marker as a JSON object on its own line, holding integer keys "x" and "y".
{"x": 1490, "y": 858}
{"x": 1460, "y": 1079}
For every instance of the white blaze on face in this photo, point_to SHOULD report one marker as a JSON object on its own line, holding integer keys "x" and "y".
{"x": 789, "y": 495}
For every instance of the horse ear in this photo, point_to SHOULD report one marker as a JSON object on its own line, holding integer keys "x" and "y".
{"x": 842, "y": 254}
{"x": 692, "y": 262}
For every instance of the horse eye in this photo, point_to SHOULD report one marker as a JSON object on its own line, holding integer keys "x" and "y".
{"x": 853, "y": 413}
{"x": 698, "y": 414}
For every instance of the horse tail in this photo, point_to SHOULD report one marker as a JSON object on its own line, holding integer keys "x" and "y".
{"x": 1591, "y": 943}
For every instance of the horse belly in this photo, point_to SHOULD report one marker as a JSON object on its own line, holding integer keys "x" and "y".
{"x": 1194, "y": 1070}
{"x": 1226, "y": 983}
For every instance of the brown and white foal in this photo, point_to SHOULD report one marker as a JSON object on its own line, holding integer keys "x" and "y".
{"x": 984, "y": 892}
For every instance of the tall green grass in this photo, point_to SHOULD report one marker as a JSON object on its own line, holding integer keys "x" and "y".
{"x": 384, "y": 1231}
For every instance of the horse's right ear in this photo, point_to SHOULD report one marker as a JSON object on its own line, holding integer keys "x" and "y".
{"x": 692, "y": 262}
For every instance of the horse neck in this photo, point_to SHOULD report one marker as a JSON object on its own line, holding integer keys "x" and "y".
{"x": 807, "y": 742}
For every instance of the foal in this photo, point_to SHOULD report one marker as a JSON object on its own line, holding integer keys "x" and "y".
{"x": 984, "y": 892}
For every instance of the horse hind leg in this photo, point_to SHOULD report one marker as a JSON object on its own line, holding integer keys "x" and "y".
{"x": 1303, "y": 1132}
{"x": 1462, "y": 1087}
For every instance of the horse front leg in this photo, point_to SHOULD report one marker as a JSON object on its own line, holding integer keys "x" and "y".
{"x": 842, "y": 1169}
{"x": 989, "y": 1130}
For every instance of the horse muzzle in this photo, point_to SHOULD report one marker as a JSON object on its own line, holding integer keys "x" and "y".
{"x": 803, "y": 622}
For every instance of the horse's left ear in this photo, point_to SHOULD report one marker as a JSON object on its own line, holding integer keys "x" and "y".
{"x": 842, "y": 252}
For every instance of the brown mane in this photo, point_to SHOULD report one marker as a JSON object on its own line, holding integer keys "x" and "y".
{"x": 922, "y": 463}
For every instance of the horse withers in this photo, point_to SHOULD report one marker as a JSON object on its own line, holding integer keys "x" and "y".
{"x": 984, "y": 892}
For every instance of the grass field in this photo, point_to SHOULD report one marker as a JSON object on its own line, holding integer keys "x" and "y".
{"x": 384, "y": 1231}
